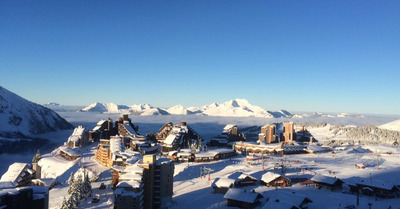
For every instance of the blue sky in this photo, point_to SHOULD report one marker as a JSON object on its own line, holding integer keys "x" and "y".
{"x": 328, "y": 56}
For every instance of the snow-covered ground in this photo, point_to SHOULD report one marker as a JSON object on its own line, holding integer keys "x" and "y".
{"x": 190, "y": 189}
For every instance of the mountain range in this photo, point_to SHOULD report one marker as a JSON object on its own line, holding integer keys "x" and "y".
{"x": 20, "y": 117}
{"x": 231, "y": 108}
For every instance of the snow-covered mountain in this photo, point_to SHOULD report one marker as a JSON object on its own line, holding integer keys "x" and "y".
{"x": 394, "y": 125}
{"x": 105, "y": 108}
{"x": 179, "y": 110}
{"x": 141, "y": 109}
{"x": 232, "y": 108}
{"x": 20, "y": 116}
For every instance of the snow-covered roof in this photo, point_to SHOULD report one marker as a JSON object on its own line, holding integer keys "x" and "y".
{"x": 324, "y": 179}
{"x": 172, "y": 153}
{"x": 286, "y": 199}
{"x": 130, "y": 177}
{"x": 7, "y": 185}
{"x": 73, "y": 139}
{"x": 69, "y": 151}
{"x": 163, "y": 160}
{"x": 14, "y": 171}
{"x": 206, "y": 154}
{"x": 223, "y": 150}
{"x": 100, "y": 122}
{"x": 170, "y": 139}
{"x": 224, "y": 182}
{"x": 377, "y": 184}
{"x": 45, "y": 181}
{"x": 125, "y": 192}
{"x": 241, "y": 195}
{"x": 116, "y": 145}
{"x": 184, "y": 129}
{"x": 243, "y": 176}
{"x": 79, "y": 131}
{"x": 269, "y": 177}
{"x": 129, "y": 128}
{"x": 134, "y": 169}
{"x": 228, "y": 127}
{"x": 184, "y": 154}
{"x": 128, "y": 184}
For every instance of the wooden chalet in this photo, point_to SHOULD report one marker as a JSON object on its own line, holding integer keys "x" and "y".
{"x": 68, "y": 153}
{"x": 330, "y": 183}
{"x": 241, "y": 198}
{"x": 375, "y": 188}
{"x": 275, "y": 180}
{"x": 222, "y": 185}
{"x": 18, "y": 174}
{"x": 205, "y": 156}
{"x": 79, "y": 138}
{"x": 245, "y": 180}
{"x": 224, "y": 153}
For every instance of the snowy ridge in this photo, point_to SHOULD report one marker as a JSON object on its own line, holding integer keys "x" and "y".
{"x": 20, "y": 116}
{"x": 393, "y": 126}
{"x": 231, "y": 108}
{"x": 179, "y": 110}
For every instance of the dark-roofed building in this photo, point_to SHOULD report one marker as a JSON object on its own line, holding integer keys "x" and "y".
{"x": 242, "y": 198}
{"x": 373, "y": 188}
{"x": 34, "y": 197}
{"x": 331, "y": 183}
{"x": 222, "y": 185}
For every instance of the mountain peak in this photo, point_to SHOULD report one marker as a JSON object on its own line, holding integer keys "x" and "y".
{"x": 18, "y": 115}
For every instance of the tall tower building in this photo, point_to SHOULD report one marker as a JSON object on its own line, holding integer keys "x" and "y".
{"x": 288, "y": 131}
{"x": 158, "y": 181}
{"x": 268, "y": 133}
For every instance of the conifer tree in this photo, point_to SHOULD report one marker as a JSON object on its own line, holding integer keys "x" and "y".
{"x": 37, "y": 157}
{"x": 71, "y": 182}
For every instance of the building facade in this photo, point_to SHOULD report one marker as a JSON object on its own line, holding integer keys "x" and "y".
{"x": 268, "y": 134}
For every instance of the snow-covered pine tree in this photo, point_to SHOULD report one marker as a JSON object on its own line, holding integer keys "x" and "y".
{"x": 75, "y": 200}
{"x": 68, "y": 203}
{"x": 71, "y": 181}
{"x": 87, "y": 184}
{"x": 79, "y": 187}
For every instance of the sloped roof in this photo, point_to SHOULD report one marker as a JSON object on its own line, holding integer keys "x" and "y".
{"x": 206, "y": 154}
{"x": 116, "y": 145}
{"x": 377, "y": 184}
{"x": 224, "y": 182}
{"x": 243, "y": 176}
{"x": 14, "y": 171}
{"x": 69, "y": 151}
{"x": 170, "y": 139}
{"x": 128, "y": 184}
{"x": 270, "y": 176}
{"x": 242, "y": 195}
{"x": 325, "y": 179}
{"x": 228, "y": 127}
{"x": 7, "y": 185}
{"x": 287, "y": 197}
